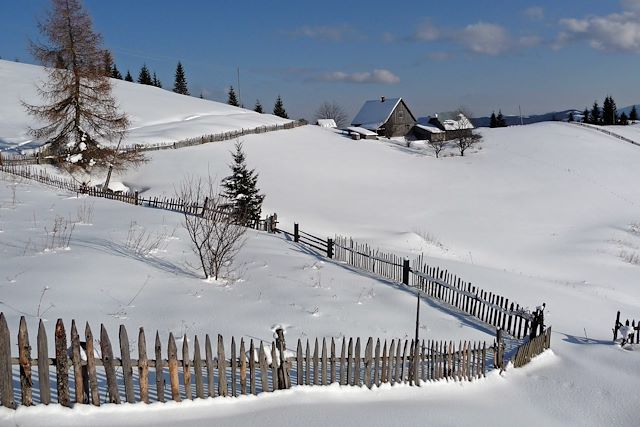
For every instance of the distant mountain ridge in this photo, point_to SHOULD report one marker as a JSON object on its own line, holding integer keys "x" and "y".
{"x": 545, "y": 117}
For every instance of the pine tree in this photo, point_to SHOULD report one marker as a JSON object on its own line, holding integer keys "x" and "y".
{"x": 241, "y": 190}
{"x": 624, "y": 120}
{"x": 232, "y": 99}
{"x": 107, "y": 62}
{"x": 571, "y": 118}
{"x": 585, "y": 116}
{"x": 115, "y": 73}
{"x": 128, "y": 77}
{"x": 595, "y": 114}
{"x": 609, "y": 113}
{"x": 500, "y": 120}
{"x": 278, "y": 108}
{"x": 180, "y": 83}
{"x": 145, "y": 77}
{"x": 258, "y": 107}
{"x": 156, "y": 81}
{"x": 80, "y": 112}
{"x": 493, "y": 122}
{"x": 633, "y": 115}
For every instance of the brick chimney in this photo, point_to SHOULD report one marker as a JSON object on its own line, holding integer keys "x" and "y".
{"x": 382, "y": 99}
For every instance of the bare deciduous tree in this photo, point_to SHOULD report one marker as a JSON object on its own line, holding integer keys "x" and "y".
{"x": 79, "y": 111}
{"x": 465, "y": 142}
{"x": 215, "y": 238}
{"x": 332, "y": 110}
{"x": 438, "y": 146}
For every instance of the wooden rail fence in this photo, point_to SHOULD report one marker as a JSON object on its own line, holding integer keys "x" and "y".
{"x": 441, "y": 285}
{"x": 166, "y": 203}
{"x": 607, "y": 132}
{"x": 41, "y": 157}
{"x": 629, "y": 330}
{"x": 88, "y": 372}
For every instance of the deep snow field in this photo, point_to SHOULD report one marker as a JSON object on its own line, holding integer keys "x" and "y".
{"x": 541, "y": 213}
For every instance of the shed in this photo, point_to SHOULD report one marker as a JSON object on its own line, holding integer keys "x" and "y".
{"x": 386, "y": 117}
{"x": 361, "y": 133}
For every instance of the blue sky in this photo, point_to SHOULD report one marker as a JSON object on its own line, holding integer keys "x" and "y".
{"x": 542, "y": 55}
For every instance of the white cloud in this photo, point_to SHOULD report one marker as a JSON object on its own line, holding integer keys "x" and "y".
{"x": 484, "y": 38}
{"x": 529, "y": 41}
{"x": 535, "y": 13}
{"x": 439, "y": 56}
{"x": 617, "y": 32}
{"x": 427, "y": 31}
{"x": 376, "y": 76}
{"x": 334, "y": 33}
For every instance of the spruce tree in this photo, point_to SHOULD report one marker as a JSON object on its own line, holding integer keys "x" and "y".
{"x": 240, "y": 188}
{"x": 232, "y": 99}
{"x": 128, "y": 77}
{"x": 624, "y": 120}
{"x": 571, "y": 118}
{"x": 609, "y": 113}
{"x": 180, "y": 82}
{"x": 258, "y": 107}
{"x": 156, "y": 81}
{"x": 145, "y": 77}
{"x": 115, "y": 73}
{"x": 278, "y": 108}
{"x": 500, "y": 120}
{"x": 595, "y": 114}
{"x": 585, "y": 116}
{"x": 633, "y": 115}
{"x": 493, "y": 122}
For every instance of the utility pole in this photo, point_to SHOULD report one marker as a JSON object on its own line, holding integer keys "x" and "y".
{"x": 239, "y": 97}
{"x": 520, "y": 111}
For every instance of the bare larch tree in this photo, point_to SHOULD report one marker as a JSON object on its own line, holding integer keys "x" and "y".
{"x": 79, "y": 111}
{"x": 332, "y": 110}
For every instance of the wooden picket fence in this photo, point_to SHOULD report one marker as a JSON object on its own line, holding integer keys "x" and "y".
{"x": 606, "y": 132}
{"x": 269, "y": 223}
{"x": 441, "y": 285}
{"x": 633, "y": 327}
{"x": 532, "y": 348}
{"x": 97, "y": 376}
{"x": 40, "y": 156}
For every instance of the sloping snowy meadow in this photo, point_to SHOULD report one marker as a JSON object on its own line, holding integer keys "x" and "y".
{"x": 540, "y": 213}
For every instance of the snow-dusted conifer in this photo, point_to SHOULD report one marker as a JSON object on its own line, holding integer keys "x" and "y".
{"x": 232, "y": 99}
{"x": 240, "y": 188}
{"x": 258, "y": 107}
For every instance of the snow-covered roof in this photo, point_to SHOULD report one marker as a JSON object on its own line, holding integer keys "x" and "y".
{"x": 327, "y": 123}
{"x": 454, "y": 120}
{"x": 430, "y": 128}
{"x": 375, "y": 113}
{"x": 361, "y": 131}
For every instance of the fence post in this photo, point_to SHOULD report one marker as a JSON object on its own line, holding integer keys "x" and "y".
{"x": 499, "y": 350}
{"x": 136, "y": 200}
{"x": 329, "y": 248}
{"x": 296, "y": 232}
{"x": 405, "y": 271}
{"x": 616, "y": 327}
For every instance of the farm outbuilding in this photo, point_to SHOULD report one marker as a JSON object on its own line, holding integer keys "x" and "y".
{"x": 443, "y": 126}
{"x": 386, "y": 117}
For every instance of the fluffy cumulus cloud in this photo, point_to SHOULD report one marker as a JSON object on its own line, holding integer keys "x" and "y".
{"x": 616, "y": 32}
{"x": 481, "y": 38}
{"x": 334, "y": 33}
{"x": 484, "y": 38}
{"x": 376, "y": 76}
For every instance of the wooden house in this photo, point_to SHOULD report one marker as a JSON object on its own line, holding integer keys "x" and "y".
{"x": 386, "y": 117}
{"x": 443, "y": 127}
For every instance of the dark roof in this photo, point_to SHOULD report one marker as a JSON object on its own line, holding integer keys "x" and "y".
{"x": 375, "y": 113}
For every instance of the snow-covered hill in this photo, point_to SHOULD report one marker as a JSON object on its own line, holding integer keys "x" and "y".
{"x": 156, "y": 115}
{"x": 541, "y": 213}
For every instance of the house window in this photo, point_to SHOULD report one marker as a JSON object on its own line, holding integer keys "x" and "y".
{"x": 400, "y": 114}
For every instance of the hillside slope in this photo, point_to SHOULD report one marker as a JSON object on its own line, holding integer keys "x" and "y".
{"x": 156, "y": 115}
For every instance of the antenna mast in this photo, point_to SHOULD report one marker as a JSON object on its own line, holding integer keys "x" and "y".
{"x": 239, "y": 97}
